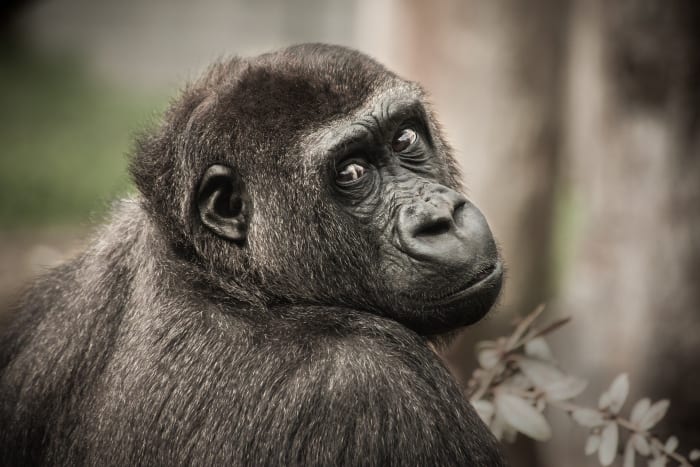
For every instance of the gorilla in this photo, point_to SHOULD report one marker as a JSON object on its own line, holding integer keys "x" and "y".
{"x": 271, "y": 294}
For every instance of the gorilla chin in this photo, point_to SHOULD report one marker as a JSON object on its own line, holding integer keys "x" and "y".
{"x": 440, "y": 316}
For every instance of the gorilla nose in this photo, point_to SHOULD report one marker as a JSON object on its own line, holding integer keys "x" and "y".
{"x": 437, "y": 215}
{"x": 444, "y": 227}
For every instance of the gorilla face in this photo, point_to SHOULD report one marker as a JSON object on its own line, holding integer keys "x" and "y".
{"x": 439, "y": 265}
{"x": 336, "y": 188}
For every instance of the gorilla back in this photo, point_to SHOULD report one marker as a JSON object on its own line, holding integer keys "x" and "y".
{"x": 267, "y": 298}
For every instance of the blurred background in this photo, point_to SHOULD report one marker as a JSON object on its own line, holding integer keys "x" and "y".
{"x": 576, "y": 123}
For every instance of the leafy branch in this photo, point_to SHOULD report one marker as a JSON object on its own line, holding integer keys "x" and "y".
{"x": 519, "y": 377}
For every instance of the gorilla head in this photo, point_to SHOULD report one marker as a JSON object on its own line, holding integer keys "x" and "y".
{"x": 314, "y": 175}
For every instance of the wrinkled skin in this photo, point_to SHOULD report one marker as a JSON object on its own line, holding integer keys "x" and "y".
{"x": 267, "y": 297}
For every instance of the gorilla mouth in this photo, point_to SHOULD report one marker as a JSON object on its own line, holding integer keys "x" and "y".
{"x": 482, "y": 280}
{"x": 438, "y": 314}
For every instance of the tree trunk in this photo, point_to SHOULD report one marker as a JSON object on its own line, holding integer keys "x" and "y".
{"x": 634, "y": 177}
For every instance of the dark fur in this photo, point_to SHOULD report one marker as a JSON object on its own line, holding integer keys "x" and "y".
{"x": 162, "y": 344}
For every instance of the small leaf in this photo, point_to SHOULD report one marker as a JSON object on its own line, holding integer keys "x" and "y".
{"x": 485, "y": 409}
{"x": 629, "y": 454}
{"x": 608, "y": 444}
{"x": 618, "y": 392}
{"x": 639, "y": 410}
{"x": 694, "y": 455}
{"x": 641, "y": 444}
{"x": 655, "y": 413}
{"x": 522, "y": 416}
{"x": 567, "y": 388}
{"x": 519, "y": 381}
{"x": 592, "y": 444}
{"x": 488, "y": 358}
{"x": 538, "y": 348}
{"x": 485, "y": 345}
{"x": 540, "y": 373}
{"x": 671, "y": 444}
{"x": 589, "y": 418}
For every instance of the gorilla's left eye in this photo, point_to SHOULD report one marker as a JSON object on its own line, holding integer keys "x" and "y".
{"x": 404, "y": 139}
{"x": 350, "y": 173}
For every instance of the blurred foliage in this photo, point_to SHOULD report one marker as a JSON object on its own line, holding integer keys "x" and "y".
{"x": 65, "y": 136}
{"x": 519, "y": 377}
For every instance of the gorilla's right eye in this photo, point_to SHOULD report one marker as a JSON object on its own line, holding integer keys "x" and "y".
{"x": 350, "y": 173}
{"x": 404, "y": 139}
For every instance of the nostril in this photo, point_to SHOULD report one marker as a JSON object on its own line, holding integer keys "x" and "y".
{"x": 459, "y": 207}
{"x": 437, "y": 227}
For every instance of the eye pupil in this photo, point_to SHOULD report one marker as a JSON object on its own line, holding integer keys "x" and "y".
{"x": 404, "y": 139}
{"x": 350, "y": 173}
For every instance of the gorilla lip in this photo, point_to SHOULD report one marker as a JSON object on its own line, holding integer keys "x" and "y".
{"x": 483, "y": 278}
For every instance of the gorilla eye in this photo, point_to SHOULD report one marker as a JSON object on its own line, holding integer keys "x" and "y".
{"x": 350, "y": 173}
{"x": 404, "y": 139}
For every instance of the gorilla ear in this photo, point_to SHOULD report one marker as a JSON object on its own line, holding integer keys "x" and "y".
{"x": 224, "y": 205}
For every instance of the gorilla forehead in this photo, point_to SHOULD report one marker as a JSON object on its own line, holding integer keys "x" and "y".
{"x": 282, "y": 93}
{"x": 379, "y": 111}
